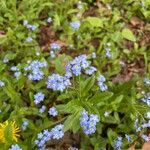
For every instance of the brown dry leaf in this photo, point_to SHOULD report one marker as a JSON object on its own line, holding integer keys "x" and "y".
{"x": 145, "y": 40}
{"x": 129, "y": 70}
{"x": 136, "y": 22}
{"x": 2, "y": 34}
{"x": 146, "y": 146}
{"x": 63, "y": 144}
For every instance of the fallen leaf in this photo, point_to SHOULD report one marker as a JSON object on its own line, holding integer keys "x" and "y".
{"x": 146, "y": 146}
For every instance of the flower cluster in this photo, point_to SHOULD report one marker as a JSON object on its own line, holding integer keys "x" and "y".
{"x": 25, "y": 125}
{"x": 75, "y": 25}
{"x": 88, "y": 122}
{"x": 101, "y": 83}
{"x": 55, "y": 46}
{"x": 78, "y": 64}
{"x": 46, "y": 135}
{"x": 39, "y": 97}
{"x": 146, "y": 99}
{"x": 57, "y": 82}
{"x": 42, "y": 138}
{"x": 29, "y": 26}
{"x": 118, "y": 143}
{"x": 16, "y": 71}
{"x": 145, "y": 137}
{"x": 15, "y": 147}
{"x": 35, "y": 68}
{"x": 90, "y": 70}
{"x": 53, "y": 112}
{"x": 57, "y": 132}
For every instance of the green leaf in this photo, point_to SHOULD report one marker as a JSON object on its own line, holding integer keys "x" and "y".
{"x": 60, "y": 63}
{"x": 87, "y": 85}
{"x": 94, "y": 21}
{"x": 111, "y": 136}
{"x": 72, "y": 122}
{"x": 117, "y": 100}
{"x": 100, "y": 97}
{"x": 116, "y": 103}
{"x": 128, "y": 34}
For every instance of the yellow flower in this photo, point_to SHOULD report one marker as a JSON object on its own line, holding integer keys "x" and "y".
{"x": 9, "y": 131}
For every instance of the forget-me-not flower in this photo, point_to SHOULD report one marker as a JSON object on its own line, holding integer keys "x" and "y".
{"x": 39, "y": 97}
{"x": 53, "y": 112}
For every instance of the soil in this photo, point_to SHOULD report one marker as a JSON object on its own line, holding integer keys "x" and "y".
{"x": 69, "y": 140}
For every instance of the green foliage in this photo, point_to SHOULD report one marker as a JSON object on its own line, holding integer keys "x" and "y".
{"x": 127, "y": 34}
{"x": 105, "y": 25}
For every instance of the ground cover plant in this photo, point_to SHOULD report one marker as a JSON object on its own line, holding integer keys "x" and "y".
{"x": 74, "y": 74}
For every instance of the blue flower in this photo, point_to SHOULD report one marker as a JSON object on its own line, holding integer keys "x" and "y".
{"x": 42, "y": 109}
{"x": 145, "y": 137}
{"x": 57, "y": 132}
{"x": 33, "y": 27}
{"x": 128, "y": 137}
{"x": 15, "y": 147}
{"x": 25, "y": 125}
{"x": 118, "y": 143}
{"x": 76, "y": 69}
{"x": 46, "y": 135}
{"x": 146, "y": 99}
{"x": 103, "y": 87}
{"x": 101, "y": 79}
{"x": 42, "y": 138}
{"x": 29, "y": 39}
{"x": 108, "y": 54}
{"x": 36, "y": 73}
{"x": 55, "y": 46}
{"x": 57, "y": 82}
{"x": 39, "y": 97}
{"x": 53, "y": 112}
{"x": 88, "y": 122}
{"x": 17, "y": 74}
{"x": 2, "y": 83}
{"x": 14, "y": 68}
{"x": 146, "y": 125}
{"x": 90, "y": 70}
{"x": 77, "y": 65}
{"x": 75, "y": 25}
